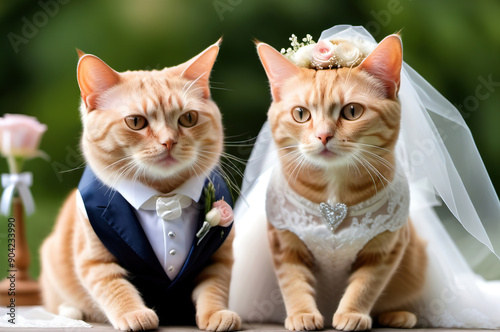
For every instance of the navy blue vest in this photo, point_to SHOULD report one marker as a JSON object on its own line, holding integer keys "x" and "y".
{"x": 115, "y": 223}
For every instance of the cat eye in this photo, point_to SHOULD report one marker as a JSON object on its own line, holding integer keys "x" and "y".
{"x": 188, "y": 119}
{"x": 136, "y": 122}
{"x": 352, "y": 111}
{"x": 301, "y": 114}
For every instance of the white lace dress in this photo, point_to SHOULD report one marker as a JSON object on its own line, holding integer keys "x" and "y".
{"x": 333, "y": 232}
{"x": 453, "y": 295}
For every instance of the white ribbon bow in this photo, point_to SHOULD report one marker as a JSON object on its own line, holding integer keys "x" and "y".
{"x": 21, "y": 182}
{"x": 170, "y": 208}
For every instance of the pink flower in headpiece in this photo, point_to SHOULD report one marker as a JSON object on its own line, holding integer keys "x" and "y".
{"x": 322, "y": 53}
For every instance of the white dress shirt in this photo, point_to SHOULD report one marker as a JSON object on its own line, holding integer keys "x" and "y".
{"x": 171, "y": 240}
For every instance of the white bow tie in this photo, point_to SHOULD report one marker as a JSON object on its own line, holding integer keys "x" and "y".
{"x": 170, "y": 208}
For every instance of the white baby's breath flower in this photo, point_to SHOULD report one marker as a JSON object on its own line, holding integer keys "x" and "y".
{"x": 303, "y": 56}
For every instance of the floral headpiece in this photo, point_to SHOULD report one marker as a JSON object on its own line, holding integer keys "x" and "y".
{"x": 327, "y": 54}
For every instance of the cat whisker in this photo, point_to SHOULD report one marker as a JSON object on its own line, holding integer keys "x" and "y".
{"x": 302, "y": 163}
{"x": 234, "y": 158}
{"x": 228, "y": 172}
{"x": 348, "y": 76}
{"x": 353, "y": 163}
{"x": 266, "y": 139}
{"x": 383, "y": 180}
{"x": 82, "y": 165}
{"x": 184, "y": 87}
{"x": 287, "y": 147}
{"x": 228, "y": 161}
{"x": 119, "y": 176}
{"x": 231, "y": 181}
{"x": 187, "y": 92}
{"x": 196, "y": 168}
{"x": 226, "y": 155}
{"x": 228, "y": 176}
{"x": 125, "y": 173}
{"x": 232, "y": 167}
{"x": 239, "y": 135}
{"x": 218, "y": 88}
{"x": 139, "y": 170}
{"x": 193, "y": 90}
{"x": 296, "y": 163}
{"x": 372, "y": 146}
{"x": 221, "y": 83}
{"x": 119, "y": 161}
{"x": 238, "y": 145}
{"x": 277, "y": 150}
{"x": 376, "y": 157}
{"x": 369, "y": 173}
{"x": 381, "y": 160}
{"x": 192, "y": 83}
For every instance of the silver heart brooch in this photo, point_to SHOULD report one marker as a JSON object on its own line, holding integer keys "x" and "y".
{"x": 333, "y": 215}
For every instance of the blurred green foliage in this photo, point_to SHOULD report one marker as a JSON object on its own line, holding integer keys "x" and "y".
{"x": 451, "y": 43}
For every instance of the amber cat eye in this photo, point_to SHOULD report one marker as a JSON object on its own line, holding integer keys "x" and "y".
{"x": 136, "y": 122}
{"x": 352, "y": 111}
{"x": 188, "y": 119}
{"x": 301, "y": 114}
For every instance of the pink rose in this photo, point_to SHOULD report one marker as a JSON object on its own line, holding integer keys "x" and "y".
{"x": 20, "y": 135}
{"x": 225, "y": 212}
{"x": 322, "y": 53}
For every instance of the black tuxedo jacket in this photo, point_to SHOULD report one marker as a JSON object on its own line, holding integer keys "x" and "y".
{"x": 115, "y": 223}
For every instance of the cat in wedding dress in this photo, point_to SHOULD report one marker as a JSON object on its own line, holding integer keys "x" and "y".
{"x": 336, "y": 229}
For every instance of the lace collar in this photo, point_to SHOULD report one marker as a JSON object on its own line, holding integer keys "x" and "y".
{"x": 386, "y": 210}
{"x": 371, "y": 204}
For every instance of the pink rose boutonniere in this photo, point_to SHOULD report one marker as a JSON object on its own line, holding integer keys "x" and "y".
{"x": 221, "y": 215}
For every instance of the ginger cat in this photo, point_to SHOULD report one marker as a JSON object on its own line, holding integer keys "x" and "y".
{"x": 156, "y": 130}
{"x": 336, "y": 131}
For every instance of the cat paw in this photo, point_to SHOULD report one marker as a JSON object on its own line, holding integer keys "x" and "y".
{"x": 398, "y": 319}
{"x": 222, "y": 320}
{"x": 304, "y": 321}
{"x": 351, "y": 321}
{"x": 138, "y": 320}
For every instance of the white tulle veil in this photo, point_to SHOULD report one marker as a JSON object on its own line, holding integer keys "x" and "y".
{"x": 438, "y": 154}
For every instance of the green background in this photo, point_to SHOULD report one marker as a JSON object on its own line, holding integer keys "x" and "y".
{"x": 450, "y": 43}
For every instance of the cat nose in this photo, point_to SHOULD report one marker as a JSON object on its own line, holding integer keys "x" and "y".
{"x": 169, "y": 144}
{"x": 325, "y": 137}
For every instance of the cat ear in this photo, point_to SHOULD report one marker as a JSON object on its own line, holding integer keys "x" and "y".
{"x": 94, "y": 77}
{"x": 385, "y": 63}
{"x": 80, "y": 53}
{"x": 278, "y": 68}
{"x": 198, "y": 68}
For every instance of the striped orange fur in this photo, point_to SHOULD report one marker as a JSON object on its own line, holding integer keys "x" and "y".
{"x": 331, "y": 157}
{"x": 79, "y": 277}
